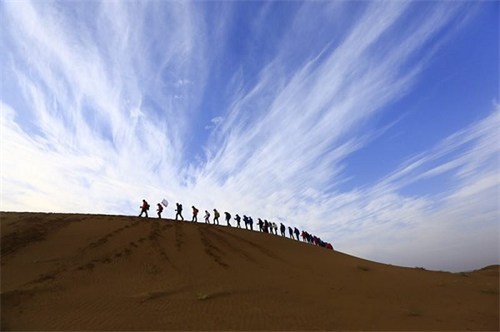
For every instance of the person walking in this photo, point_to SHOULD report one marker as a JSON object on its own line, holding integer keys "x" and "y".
{"x": 216, "y": 216}
{"x": 195, "y": 214}
{"x": 159, "y": 210}
{"x": 238, "y": 220}
{"x": 290, "y": 232}
{"x": 144, "y": 208}
{"x": 207, "y": 217}
{"x": 179, "y": 211}
{"x": 250, "y": 221}
{"x": 266, "y": 226}
{"x": 282, "y": 229}
{"x": 261, "y": 224}
{"x": 247, "y": 222}
{"x": 228, "y": 218}
{"x": 275, "y": 228}
{"x": 296, "y": 231}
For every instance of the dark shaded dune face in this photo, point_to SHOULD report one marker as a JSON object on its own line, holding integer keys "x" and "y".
{"x": 492, "y": 271}
{"x": 89, "y": 272}
{"x": 29, "y": 228}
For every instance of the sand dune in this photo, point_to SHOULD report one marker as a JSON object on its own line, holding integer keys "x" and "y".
{"x": 98, "y": 272}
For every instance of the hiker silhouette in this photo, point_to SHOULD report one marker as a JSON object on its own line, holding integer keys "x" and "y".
{"x": 250, "y": 222}
{"x": 179, "y": 211}
{"x": 228, "y": 218}
{"x": 144, "y": 208}
{"x": 195, "y": 214}
{"x": 159, "y": 210}
{"x": 296, "y": 231}
{"x": 216, "y": 216}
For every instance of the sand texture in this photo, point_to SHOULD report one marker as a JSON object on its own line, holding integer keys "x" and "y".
{"x": 97, "y": 272}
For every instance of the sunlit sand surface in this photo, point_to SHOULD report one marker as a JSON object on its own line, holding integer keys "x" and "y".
{"x": 98, "y": 272}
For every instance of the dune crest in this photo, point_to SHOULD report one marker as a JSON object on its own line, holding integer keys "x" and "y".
{"x": 98, "y": 272}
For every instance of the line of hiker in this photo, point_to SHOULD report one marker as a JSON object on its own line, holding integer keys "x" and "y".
{"x": 264, "y": 225}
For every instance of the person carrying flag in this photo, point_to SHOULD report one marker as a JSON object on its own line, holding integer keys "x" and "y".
{"x": 159, "y": 210}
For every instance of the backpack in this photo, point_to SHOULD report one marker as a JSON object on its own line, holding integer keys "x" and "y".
{"x": 160, "y": 208}
{"x": 147, "y": 206}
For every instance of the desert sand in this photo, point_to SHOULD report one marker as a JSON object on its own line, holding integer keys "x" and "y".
{"x": 100, "y": 272}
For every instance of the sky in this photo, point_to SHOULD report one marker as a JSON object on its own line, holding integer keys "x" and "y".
{"x": 372, "y": 124}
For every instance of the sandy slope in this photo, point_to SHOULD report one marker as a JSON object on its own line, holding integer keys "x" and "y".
{"x": 94, "y": 272}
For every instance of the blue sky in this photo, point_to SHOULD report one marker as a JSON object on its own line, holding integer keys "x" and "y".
{"x": 373, "y": 124}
